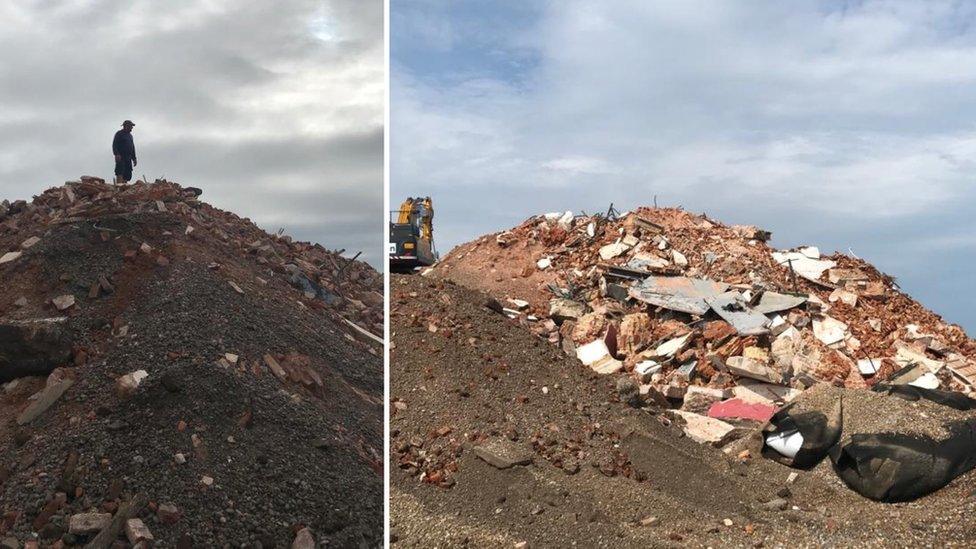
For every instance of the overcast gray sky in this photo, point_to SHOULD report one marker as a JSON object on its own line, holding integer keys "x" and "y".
{"x": 846, "y": 124}
{"x": 274, "y": 109}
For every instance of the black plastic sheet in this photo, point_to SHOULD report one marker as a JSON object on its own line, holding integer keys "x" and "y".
{"x": 894, "y": 467}
{"x": 819, "y": 433}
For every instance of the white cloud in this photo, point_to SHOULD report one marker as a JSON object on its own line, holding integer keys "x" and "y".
{"x": 275, "y": 109}
{"x": 768, "y": 100}
{"x": 836, "y": 115}
{"x": 579, "y": 165}
{"x": 943, "y": 243}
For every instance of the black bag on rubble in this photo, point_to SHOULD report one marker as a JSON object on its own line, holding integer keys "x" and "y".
{"x": 892, "y": 467}
{"x": 801, "y": 439}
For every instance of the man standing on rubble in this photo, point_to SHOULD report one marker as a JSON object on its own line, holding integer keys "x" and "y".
{"x": 124, "y": 150}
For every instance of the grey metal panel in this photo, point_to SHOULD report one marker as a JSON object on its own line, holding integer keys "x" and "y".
{"x": 736, "y": 311}
{"x": 678, "y": 293}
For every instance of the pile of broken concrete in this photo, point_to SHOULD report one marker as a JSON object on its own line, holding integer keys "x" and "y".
{"x": 708, "y": 320}
{"x": 173, "y": 374}
{"x": 351, "y": 288}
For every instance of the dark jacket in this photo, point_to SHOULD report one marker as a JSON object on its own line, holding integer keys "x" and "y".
{"x": 123, "y": 145}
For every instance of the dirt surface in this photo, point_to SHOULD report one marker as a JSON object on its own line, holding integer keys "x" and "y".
{"x": 248, "y": 454}
{"x": 871, "y": 412}
{"x": 602, "y": 473}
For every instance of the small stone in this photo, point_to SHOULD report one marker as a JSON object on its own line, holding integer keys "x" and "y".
{"x": 502, "y": 454}
{"x": 232, "y": 358}
{"x": 9, "y": 256}
{"x": 179, "y": 458}
{"x": 679, "y": 259}
{"x": 145, "y": 248}
{"x": 561, "y": 309}
{"x": 322, "y": 443}
{"x": 303, "y": 540}
{"x": 236, "y": 287}
{"x": 207, "y": 481}
{"x": 29, "y": 242}
{"x": 21, "y": 302}
{"x": 727, "y": 522}
{"x": 649, "y": 521}
{"x": 127, "y": 385}
{"x": 136, "y": 531}
{"x": 47, "y": 397}
{"x": 88, "y": 523}
{"x": 199, "y": 449}
{"x": 168, "y": 513}
{"x": 629, "y": 391}
{"x": 64, "y": 302}
{"x": 571, "y": 467}
{"x": 703, "y": 429}
{"x": 611, "y": 251}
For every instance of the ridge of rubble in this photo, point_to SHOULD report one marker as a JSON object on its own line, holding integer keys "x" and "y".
{"x": 676, "y": 300}
{"x": 90, "y": 198}
{"x": 172, "y": 372}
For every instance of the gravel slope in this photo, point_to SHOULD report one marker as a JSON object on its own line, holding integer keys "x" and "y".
{"x": 463, "y": 375}
{"x": 264, "y": 456}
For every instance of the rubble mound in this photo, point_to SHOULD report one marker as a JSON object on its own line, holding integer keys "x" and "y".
{"x": 484, "y": 416}
{"x": 499, "y": 439}
{"x": 677, "y": 300}
{"x": 174, "y": 373}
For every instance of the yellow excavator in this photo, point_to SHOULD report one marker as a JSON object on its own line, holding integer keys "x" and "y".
{"x": 412, "y": 235}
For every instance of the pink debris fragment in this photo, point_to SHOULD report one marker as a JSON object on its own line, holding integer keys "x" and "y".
{"x": 741, "y": 409}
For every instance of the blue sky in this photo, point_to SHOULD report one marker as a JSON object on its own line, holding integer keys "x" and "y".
{"x": 847, "y": 125}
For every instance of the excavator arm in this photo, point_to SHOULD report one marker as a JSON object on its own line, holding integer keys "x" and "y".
{"x": 406, "y": 212}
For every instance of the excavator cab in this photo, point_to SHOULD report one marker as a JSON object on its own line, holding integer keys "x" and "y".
{"x": 411, "y": 235}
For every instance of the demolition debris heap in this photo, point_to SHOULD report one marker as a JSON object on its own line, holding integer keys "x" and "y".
{"x": 172, "y": 372}
{"x": 671, "y": 335}
{"x": 709, "y": 318}
{"x": 352, "y": 289}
